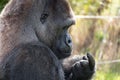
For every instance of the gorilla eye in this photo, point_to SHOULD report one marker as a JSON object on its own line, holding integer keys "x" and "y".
{"x": 43, "y": 17}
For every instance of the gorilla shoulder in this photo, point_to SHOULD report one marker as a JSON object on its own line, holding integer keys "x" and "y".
{"x": 32, "y": 61}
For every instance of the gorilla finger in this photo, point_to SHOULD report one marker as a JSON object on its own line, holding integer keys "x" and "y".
{"x": 76, "y": 68}
{"x": 91, "y": 61}
{"x": 85, "y": 58}
{"x": 84, "y": 63}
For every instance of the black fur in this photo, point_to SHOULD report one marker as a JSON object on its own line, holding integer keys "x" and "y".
{"x": 32, "y": 61}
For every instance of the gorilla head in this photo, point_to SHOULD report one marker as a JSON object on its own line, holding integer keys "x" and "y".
{"x": 46, "y": 21}
{"x": 55, "y": 19}
{"x": 52, "y": 24}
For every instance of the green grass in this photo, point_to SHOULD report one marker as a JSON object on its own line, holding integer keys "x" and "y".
{"x": 101, "y": 75}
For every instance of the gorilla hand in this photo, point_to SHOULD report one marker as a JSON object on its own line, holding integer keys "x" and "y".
{"x": 83, "y": 69}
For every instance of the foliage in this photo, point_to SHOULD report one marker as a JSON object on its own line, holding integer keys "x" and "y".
{"x": 102, "y": 75}
{"x": 89, "y": 7}
{"x": 2, "y": 3}
{"x": 99, "y": 35}
{"x": 84, "y": 6}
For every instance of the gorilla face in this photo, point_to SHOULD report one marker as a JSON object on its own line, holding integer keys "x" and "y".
{"x": 52, "y": 25}
{"x": 46, "y": 21}
{"x": 63, "y": 46}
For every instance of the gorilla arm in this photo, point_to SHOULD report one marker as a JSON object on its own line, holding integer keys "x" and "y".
{"x": 32, "y": 62}
{"x": 79, "y": 68}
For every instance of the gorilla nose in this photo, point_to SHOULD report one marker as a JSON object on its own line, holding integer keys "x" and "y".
{"x": 69, "y": 24}
{"x": 68, "y": 40}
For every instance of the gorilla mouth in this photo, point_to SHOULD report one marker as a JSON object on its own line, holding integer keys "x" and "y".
{"x": 63, "y": 53}
{"x": 62, "y": 47}
{"x": 66, "y": 43}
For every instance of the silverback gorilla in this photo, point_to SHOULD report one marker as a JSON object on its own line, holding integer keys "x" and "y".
{"x": 34, "y": 42}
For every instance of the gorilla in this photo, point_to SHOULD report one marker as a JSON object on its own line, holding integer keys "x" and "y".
{"x": 34, "y": 42}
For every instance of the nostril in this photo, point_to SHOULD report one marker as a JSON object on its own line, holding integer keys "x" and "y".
{"x": 68, "y": 41}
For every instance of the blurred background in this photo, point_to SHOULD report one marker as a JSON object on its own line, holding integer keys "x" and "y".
{"x": 97, "y": 31}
